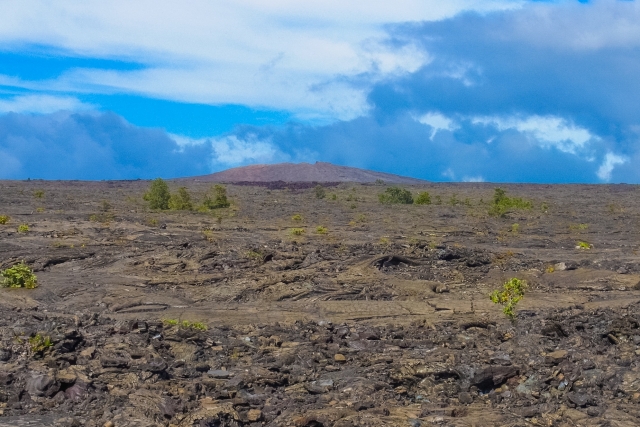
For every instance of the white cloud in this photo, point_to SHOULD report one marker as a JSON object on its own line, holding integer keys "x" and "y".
{"x": 608, "y": 164}
{"x": 438, "y": 122}
{"x": 473, "y": 179}
{"x": 547, "y": 131}
{"x": 281, "y": 54}
{"x": 234, "y": 151}
{"x": 42, "y": 104}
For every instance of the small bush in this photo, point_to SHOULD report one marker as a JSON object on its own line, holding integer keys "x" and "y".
{"x": 515, "y": 228}
{"x": 158, "y": 195}
{"x": 438, "y": 200}
{"x": 334, "y": 196}
{"x": 218, "y": 199}
{"x": 396, "y": 195}
{"x": 40, "y": 210}
{"x": 38, "y": 194}
{"x": 512, "y": 292}
{"x": 502, "y": 204}
{"x": 321, "y": 230}
{"x": 423, "y": 199}
{"x": 297, "y": 217}
{"x": 105, "y": 206}
{"x": 583, "y": 245}
{"x": 185, "y": 324}
{"x": 39, "y": 343}
{"x": 297, "y": 231}
{"x": 23, "y": 228}
{"x": 320, "y": 192}
{"x": 19, "y": 276}
{"x": 181, "y": 201}
{"x": 4, "y": 219}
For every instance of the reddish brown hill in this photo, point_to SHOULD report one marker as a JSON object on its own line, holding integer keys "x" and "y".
{"x": 303, "y": 172}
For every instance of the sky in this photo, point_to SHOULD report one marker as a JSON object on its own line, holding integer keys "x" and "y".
{"x": 456, "y": 90}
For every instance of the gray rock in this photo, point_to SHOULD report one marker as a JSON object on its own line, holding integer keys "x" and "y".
{"x": 218, "y": 373}
{"x": 465, "y": 398}
{"x": 580, "y": 399}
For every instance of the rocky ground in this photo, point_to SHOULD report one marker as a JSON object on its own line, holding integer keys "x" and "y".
{"x": 234, "y": 318}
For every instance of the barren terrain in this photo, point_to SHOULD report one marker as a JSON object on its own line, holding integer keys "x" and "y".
{"x": 384, "y": 319}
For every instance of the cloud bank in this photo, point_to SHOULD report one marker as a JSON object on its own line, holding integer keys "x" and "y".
{"x": 467, "y": 91}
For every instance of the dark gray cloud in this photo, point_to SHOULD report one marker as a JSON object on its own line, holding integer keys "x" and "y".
{"x": 92, "y": 146}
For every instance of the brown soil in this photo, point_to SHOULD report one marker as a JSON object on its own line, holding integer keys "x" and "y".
{"x": 300, "y": 173}
{"x": 383, "y": 320}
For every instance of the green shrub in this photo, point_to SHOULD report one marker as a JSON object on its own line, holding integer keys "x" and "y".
{"x": 218, "y": 199}
{"x": 297, "y": 217}
{"x": 158, "y": 194}
{"x": 502, "y": 204}
{"x": 584, "y": 245}
{"x": 297, "y": 231}
{"x": 4, "y": 219}
{"x": 39, "y": 343}
{"x": 38, "y": 194}
{"x": 19, "y": 276}
{"x": 423, "y": 198}
{"x": 23, "y": 228}
{"x": 185, "y": 324}
{"x": 321, "y": 230}
{"x": 320, "y": 192}
{"x": 396, "y": 195}
{"x": 181, "y": 201}
{"x": 512, "y": 292}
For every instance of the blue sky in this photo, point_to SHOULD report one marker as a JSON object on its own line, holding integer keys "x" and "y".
{"x": 462, "y": 90}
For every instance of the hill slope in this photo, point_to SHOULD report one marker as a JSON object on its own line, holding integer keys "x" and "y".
{"x": 303, "y": 172}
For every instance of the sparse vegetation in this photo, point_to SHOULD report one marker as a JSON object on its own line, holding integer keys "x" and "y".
{"x": 583, "y": 245}
{"x": 38, "y": 194}
{"x": 4, "y": 219}
{"x": 297, "y": 231}
{"x": 321, "y": 230}
{"x": 23, "y": 228}
{"x": 40, "y": 210}
{"x": 320, "y": 192}
{"x": 218, "y": 199}
{"x": 39, "y": 343}
{"x": 423, "y": 198}
{"x": 509, "y": 296}
{"x": 105, "y": 206}
{"x": 544, "y": 207}
{"x": 185, "y": 324}
{"x": 158, "y": 195}
{"x": 502, "y": 204}
{"x": 515, "y": 228}
{"x": 438, "y": 200}
{"x": 19, "y": 276}
{"x": 334, "y": 196}
{"x": 297, "y": 217}
{"x": 396, "y": 195}
{"x": 102, "y": 217}
{"x": 181, "y": 200}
